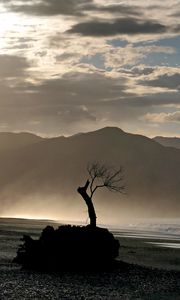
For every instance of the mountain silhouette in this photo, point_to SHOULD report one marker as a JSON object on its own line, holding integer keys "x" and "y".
{"x": 45, "y": 175}
{"x": 12, "y": 141}
{"x": 168, "y": 141}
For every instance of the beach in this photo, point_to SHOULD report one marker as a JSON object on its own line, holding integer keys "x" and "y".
{"x": 148, "y": 267}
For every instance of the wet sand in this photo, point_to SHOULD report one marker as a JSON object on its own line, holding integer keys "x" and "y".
{"x": 150, "y": 250}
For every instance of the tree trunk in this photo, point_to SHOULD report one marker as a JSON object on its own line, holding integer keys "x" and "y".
{"x": 91, "y": 211}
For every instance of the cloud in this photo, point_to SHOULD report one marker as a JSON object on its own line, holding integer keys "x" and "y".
{"x": 74, "y": 102}
{"x": 77, "y": 88}
{"x": 130, "y": 55}
{"x": 171, "y": 81}
{"x": 116, "y": 9}
{"x": 162, "y": 117}
{"x": 48, "y": 7}
{"x": 73, "y": 114}
{"x": 142, "y": 70}
{"x": 63, "y": 104}
{"x": 69, "y": 104}
{"x": 119, "y": 26}
{"x": 12, "y": 66}
{"x": 19, "y": 43}
{"x": 54, "y": 82}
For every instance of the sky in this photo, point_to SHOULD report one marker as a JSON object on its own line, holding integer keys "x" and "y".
{"x": 69, "y": 66}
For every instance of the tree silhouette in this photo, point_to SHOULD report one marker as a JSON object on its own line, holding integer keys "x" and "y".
{"x": 101, "y": 176}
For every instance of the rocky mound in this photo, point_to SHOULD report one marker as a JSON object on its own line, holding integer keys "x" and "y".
{"x": 69, "y": 248}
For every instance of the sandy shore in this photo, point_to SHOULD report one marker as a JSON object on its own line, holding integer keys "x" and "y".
{"x": 150, "y": 253}
{"x": 145, "y": 271}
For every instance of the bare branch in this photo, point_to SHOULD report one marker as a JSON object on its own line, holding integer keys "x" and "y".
{"x": 104, "y": 176}
{"x": 100, "y": 176}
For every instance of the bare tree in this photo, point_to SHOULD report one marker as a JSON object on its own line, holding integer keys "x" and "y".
{"x": 101, "y": 176}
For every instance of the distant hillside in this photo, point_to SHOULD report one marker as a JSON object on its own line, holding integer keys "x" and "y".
{"x": 43, "y": 177}
{"x": 168, "y": 141}
{"x": 10, "y": 141}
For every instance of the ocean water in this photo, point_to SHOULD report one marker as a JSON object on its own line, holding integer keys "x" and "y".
{"x": 20, "y": 284}
{"x": 156, "y": 229}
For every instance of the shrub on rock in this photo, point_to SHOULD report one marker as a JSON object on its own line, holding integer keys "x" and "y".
{"x": 69, "y": 248}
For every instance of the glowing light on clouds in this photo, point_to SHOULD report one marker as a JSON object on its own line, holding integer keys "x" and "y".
{"x": 68, "y": 56}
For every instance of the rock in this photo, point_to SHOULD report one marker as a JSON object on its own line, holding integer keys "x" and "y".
{"x": 69, "y": 248}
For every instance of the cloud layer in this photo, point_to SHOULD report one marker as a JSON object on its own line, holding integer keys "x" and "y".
{"x": 117, "y": 27}
{"x": 75, "y": 65}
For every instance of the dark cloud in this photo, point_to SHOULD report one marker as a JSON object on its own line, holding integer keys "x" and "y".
{"x": 12, "y": 66}
{"x": 65, "y": 56}
{"x": 176, "y": 28}
{"x": 72, "y": 102}
{"x": 68, "y": 7}
{"x": 119, "y": 26}
{"x": 115, "y": 9}
{"x": 142, "y": 71}
{"x": 71, "y": 89}
{"x": 173, "y": 117}
{"x": 158, "y": 99}
{"x": 177, "y": 14}
{"x": 58, "y": 104}
{"x": 137, "y": 71}
{"x": 77, "y": 88}
{"x": 165, "y": 80}
{"x": 48, "y": 7}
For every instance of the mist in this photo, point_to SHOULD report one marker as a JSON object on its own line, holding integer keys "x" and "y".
{"x": 39, "y": 177}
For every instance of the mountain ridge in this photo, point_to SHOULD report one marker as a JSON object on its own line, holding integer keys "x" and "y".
{"x": 50, "y": 171}
{"x": 168, "y": 141}
{"x": 13, "y": 140}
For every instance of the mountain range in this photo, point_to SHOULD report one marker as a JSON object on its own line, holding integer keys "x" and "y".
{"x": 40, "y": 176}
{"x": 168, "y": 141}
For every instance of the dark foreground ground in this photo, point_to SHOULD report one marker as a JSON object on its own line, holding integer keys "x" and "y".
{"x": 131, "y": 280}
{"x": 127, "y": 282}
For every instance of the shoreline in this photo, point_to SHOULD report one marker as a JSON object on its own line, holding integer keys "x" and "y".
{"x": 145, "y": 272}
